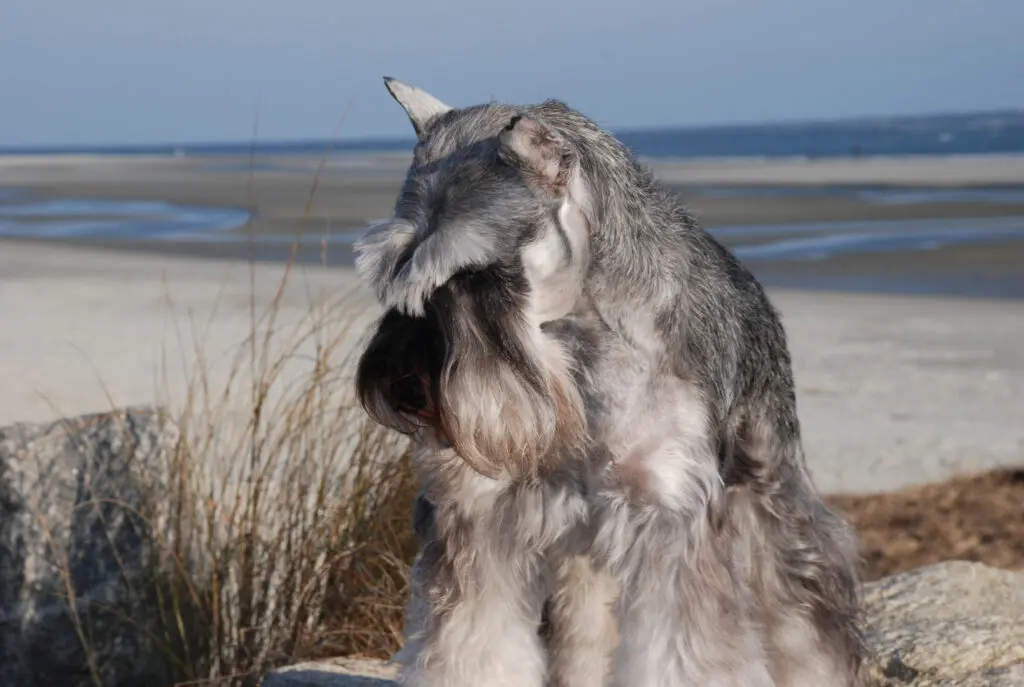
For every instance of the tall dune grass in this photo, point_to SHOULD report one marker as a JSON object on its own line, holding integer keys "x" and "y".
{"x": 290, "y": 511}
{"x": 284, "y": 525}
{"x": 276, "y": 521}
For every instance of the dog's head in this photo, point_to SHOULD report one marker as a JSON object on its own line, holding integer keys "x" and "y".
{"x": 487, "y": 242}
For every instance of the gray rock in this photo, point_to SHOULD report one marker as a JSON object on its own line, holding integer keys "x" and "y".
{"x": 953, "y": 623}
{"x": 75, "y": 551}
{"x": 340, "y": 672}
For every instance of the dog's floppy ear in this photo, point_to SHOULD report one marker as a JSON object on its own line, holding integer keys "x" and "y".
{"x": 421, "y": 107}
{"x": 541, "y": 153}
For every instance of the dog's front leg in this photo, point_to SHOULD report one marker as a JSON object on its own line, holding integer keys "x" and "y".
{"x": 473, "y": 615}
{"x": 583, "y": 626}
{"x": 685, "y": 620}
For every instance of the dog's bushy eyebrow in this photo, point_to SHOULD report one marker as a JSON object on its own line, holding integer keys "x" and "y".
{"x": 385, "y": 245}
{"x": 404, "y": 267}
{"x": 467, "y": 217}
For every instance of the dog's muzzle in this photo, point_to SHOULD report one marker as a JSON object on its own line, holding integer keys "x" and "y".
{"x": 410, "y": 396}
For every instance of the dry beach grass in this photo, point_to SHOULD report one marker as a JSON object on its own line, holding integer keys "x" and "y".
{"x": 978, "y": 517}
{"x": 281, "y": 521}
{"x": 305, "y": 539}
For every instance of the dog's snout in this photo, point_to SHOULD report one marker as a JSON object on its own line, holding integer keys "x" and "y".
{"x": 409, "y": 395}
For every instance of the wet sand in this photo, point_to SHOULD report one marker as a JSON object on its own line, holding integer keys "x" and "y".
{"x": 893, "y": 389}
{"x": 354, "y": 190}
{"x": 347, "y": 194}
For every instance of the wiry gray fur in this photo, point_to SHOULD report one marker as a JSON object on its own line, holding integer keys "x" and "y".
{"x": 604, "y": 410}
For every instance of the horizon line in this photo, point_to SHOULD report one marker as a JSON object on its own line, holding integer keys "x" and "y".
{"x": 389, "y": 141}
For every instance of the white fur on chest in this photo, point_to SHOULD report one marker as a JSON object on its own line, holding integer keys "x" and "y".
{"x": 655, "y": 429}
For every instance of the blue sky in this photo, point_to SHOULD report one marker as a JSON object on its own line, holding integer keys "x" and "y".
{"x": 136, "y": 71}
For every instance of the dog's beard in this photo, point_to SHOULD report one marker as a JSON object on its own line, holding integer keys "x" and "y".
{"x": 477, "y": 374}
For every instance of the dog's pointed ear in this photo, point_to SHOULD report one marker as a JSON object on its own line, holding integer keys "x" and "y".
{"x": 418, "y": 104}
{"x": 541, "y": 152}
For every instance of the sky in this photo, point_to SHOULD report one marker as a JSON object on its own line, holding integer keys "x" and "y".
{"x": 87, "y": 72}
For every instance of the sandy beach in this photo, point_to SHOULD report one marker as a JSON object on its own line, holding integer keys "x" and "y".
{"x": 894, "y": 389}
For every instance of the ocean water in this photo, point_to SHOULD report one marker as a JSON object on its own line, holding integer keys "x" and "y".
{"x": 877, "y": 195}
{"x": 113, "y": 219}
{"x": 950, "y": 134}
{"x": 811, "y": 241}
{"x": 995, "y": 132}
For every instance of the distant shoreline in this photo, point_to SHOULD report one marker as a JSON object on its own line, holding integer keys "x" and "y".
{"x": 924, "y": 171}
{"x": 992, "y": 132}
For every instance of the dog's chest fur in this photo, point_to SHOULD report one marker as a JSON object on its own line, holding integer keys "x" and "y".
{"x": 648, "y": 455}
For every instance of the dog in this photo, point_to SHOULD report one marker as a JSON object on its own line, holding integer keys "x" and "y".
{"x": 603, "y": 411}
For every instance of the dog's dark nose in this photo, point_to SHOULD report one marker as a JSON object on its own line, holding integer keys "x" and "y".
{"x": 409, "y": 395}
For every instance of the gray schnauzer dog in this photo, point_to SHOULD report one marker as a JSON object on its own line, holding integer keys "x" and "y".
{"x": 604, "y": 419}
